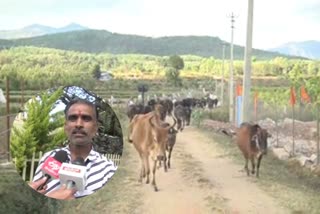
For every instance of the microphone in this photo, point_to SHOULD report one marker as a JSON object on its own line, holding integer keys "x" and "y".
{"x": 51, "y": 166}
{"x": 74, "y": 175}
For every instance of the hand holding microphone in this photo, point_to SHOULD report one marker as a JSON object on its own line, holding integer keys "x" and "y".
{"x": 51, "y": 166}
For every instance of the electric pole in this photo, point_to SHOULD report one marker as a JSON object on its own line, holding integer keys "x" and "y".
{"x": 222, "y": 75}
{"x": 245, "y": 109}
{"x": 231, "y": 79}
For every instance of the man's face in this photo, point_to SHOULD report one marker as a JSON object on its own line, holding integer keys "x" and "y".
{"x": 81, "y": 124}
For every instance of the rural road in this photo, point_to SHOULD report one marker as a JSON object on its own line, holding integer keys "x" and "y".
{"x": 202, "y": 179}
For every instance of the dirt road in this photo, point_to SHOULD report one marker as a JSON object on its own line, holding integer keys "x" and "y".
{"x": 202, "y": 180}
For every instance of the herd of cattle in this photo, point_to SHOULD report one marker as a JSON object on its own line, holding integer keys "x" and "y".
{"x": 153, "y": 137}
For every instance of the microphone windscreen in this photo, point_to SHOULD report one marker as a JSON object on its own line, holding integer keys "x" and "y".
{"x": 61, "y": 156}
{"x": 79, "y": 161}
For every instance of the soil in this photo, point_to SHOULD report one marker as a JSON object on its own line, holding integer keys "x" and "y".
{"x": 202, "y": 180}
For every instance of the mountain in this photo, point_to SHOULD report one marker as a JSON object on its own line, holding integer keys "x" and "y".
{"x": 99, "y": 41}
{"x": 38, "y": 30}
{"x": 308, "y": 49}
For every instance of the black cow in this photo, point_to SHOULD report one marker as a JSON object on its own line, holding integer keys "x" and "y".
{"x": 137, "y": 109}
{"x": 212, "y": 103}
{"x": 182, "y": 114}
{"x": 168, "y": 106}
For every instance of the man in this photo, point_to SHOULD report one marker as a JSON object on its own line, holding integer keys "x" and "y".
{"x": 81, "y": 125}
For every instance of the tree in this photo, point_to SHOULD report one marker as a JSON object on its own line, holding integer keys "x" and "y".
{"x": 96, "y": 72}
{"x": 176, "y": 62}
{"x": 173, "y": 75}
{"x": 38, "y": 131}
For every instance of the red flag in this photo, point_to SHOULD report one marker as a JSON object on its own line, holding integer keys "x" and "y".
{"x": 304, "y": 95}
{"x": 292, "y": 96}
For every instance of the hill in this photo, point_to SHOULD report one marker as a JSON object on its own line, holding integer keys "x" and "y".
{"x": 98, "y": 41}
{"x": 38, "y": 30}
{"x": 308, "y": 49}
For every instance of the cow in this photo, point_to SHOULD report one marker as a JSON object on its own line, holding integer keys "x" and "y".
{"x": 137, "y": 109}
{"x": 182, "y": 114}
{"x": 168, "y": 106}
{"x": 170, "y": 144}
{"x": 149, "y": 139}
{"x": 161, "y": 111}
{"x": 212, "y": 103}
{"x": 252, "y": 141}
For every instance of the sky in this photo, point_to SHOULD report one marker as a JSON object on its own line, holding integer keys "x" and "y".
{"x": 275, "y": 22}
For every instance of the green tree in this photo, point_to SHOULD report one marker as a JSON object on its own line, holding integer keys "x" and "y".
{"x": 38, "y": 131}
{"x": 176, "y": 62}
{"x": 96, "y": 72}
{"x": 173, "y": 75}
{"x": 172, "y": 72}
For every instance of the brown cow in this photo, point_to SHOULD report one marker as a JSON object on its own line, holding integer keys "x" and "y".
{"x": 150, "y": 140}
{"x": 252, "y": 141}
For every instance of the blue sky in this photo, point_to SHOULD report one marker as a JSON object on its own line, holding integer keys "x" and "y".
{"x": 275, "y": 21}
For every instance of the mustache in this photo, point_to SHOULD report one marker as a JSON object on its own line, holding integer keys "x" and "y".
{"x": 79, "y": 131}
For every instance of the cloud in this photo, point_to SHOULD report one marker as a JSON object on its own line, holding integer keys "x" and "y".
{"x": 275, "y": 22}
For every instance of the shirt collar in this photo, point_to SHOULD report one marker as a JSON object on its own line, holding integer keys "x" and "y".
{"x": 93, "y": 155}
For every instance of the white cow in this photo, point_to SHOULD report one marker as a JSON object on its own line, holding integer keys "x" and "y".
{"x": 2, "y": 97}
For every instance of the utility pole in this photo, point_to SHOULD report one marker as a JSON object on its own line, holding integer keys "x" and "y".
{"x": 245, "y": 109}
{"x": 231, "y": 79}
{"x": 222, "y": 76}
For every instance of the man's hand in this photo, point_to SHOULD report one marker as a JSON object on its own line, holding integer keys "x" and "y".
{"x": 34, "y": 185}
{"x": 62, "y": 193}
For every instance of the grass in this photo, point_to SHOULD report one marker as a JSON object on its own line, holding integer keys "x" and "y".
{"x": 120, "y": 195}
{"x": 17, "y": 197}
{"x": 293, "y": 186}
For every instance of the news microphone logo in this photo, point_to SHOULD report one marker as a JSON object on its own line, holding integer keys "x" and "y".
{"x": 74, "y": 175}
{"x": 51, "y": 166}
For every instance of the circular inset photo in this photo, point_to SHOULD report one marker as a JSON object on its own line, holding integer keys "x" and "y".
{"x": 66, "y": 142}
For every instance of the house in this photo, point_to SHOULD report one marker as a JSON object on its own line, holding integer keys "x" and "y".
{"x": 106, "y": 76}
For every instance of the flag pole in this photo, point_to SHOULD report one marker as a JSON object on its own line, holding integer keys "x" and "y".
{"x": 292, "y": 102}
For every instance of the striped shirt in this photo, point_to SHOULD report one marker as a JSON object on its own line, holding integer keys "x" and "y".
{"x": 99, "y": 171}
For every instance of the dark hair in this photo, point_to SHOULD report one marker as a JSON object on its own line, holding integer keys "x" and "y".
{"x": 81, "y": 101}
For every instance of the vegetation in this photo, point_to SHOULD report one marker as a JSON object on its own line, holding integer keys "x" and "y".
{"x": 34, "y": 133}
{"x": 99, "y": 41}
{"x": 43, "y": 68}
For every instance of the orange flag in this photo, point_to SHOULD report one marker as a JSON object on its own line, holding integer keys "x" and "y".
{"x": 239, "y": 90}
{"x": 304, "y": 95}
{"x": 292, "y": 96}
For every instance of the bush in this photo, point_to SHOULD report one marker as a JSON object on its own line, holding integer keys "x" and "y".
{"x": 220, "y": 114}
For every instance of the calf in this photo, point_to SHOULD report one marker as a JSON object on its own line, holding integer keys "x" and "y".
{"x": 172, "y": 134}
{"x": 252, "y": 141}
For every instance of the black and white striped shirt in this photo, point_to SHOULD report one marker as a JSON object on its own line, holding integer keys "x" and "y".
{"x": 99, "y": 171}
